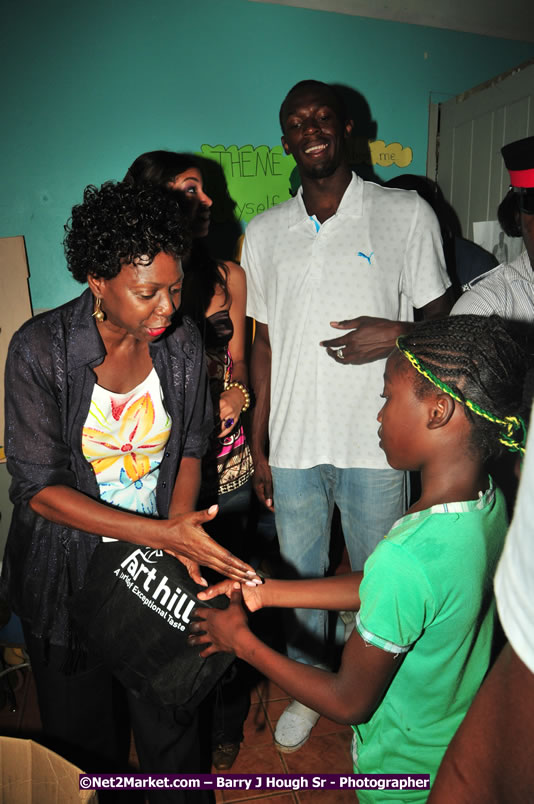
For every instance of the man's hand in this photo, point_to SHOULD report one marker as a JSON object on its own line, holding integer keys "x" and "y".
{"x": 219, "y": 630}
{"x": 262, "y": 481}
{"x": 370, "y": 339}
{"x": 260, "y": 375}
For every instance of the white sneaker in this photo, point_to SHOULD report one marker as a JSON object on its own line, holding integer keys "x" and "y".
{"x": 294, "y": 727}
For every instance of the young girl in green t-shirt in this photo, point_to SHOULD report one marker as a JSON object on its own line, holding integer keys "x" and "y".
{"x": 425, "y": 613}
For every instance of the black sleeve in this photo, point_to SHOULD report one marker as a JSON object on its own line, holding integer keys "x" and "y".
{"x": 37, "y": 455}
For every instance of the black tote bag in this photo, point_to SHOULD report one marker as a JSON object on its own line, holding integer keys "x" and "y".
{"x": 133, "y": 613}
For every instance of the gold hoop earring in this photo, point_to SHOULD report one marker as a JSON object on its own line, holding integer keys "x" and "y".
{"x": 99, "y": 313}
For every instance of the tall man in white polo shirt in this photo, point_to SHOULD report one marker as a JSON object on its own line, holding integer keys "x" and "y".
{"x": 342, "y": 247}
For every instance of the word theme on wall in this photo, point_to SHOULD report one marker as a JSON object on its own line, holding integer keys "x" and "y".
{"x": 246, "y": 180}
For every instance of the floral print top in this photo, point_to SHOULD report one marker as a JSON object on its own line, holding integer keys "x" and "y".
{"x": 124, "y": 440}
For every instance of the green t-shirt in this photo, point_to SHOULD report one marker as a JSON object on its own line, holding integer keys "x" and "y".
{"x": 427, "y": 592}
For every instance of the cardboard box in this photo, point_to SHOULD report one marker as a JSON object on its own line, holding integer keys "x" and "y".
{"x": 32, "y": 774}
{"x": 16, "y": 304}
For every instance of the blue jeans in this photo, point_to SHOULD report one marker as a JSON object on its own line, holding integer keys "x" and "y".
{"x": 369, "y": 501}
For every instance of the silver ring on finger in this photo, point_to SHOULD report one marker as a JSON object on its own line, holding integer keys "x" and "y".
{"x": 340, "y": 352}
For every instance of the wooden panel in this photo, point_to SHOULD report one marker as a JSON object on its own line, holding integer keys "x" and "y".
{"x": 461, "y": 177}
{"x": 445, "y": 158}
{"x": 473, "y": 128}
{"x": 479, "y": 208}
{"x": 499, "y": 178}
{"x": 517, "y": 119}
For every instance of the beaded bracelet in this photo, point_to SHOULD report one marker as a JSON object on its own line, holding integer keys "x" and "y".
{"x": 244, "y": 390}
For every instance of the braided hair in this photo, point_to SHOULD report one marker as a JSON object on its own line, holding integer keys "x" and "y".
{"x": 476, "y": 361}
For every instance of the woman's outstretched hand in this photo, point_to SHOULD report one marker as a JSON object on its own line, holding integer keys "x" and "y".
{"x": 187, "y": 541}
{"x": 219, "y": 630}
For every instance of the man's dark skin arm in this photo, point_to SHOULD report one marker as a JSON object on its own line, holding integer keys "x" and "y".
{"x": 260, "y": 376}
{"x": 373, "y": 338}
{"x": 489, "y": 760}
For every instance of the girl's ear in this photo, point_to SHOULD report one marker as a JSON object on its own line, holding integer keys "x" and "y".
{"x": 440, "y": 411}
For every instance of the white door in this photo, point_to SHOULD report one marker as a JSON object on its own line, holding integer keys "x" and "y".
{"x": 472, "y": 129}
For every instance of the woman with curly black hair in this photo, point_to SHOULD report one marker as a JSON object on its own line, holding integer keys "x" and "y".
{"x": 107, "y": 419}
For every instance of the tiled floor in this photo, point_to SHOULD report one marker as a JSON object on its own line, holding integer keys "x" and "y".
{"x": 327, "y": 750}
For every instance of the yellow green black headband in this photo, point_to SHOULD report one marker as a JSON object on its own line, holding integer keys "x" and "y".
{"x": 512, "y": 425}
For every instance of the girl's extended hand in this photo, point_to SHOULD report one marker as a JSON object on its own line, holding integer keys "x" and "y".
{"x": 252, "y": 594}
{"x": 219, "y": 630}
{"x": 230, "y": 405}
{"x": 187, "y": 541}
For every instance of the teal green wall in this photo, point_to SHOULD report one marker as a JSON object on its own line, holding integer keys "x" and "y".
{"x": 84, "y": 90}
{"x": 87, "y": 87}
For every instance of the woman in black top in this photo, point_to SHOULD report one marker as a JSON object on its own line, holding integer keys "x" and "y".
{"x": 127, "y": 243}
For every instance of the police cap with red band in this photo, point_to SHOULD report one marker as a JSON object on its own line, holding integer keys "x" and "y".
{"x": 519, "y": 160}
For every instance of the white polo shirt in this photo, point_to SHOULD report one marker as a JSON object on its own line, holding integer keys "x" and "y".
{"x": 507, "y": 290}
{"x": 379, "y": 255}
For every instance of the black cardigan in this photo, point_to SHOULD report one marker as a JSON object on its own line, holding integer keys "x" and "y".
{"x": 48, "y": 387}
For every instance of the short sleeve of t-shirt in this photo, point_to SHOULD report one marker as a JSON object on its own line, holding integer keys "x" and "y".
{"x": 256, "y": 302}
{"x": 396, "y": 599}
{"x": 478, "y": 301}
{"x": 425, "y": 278}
